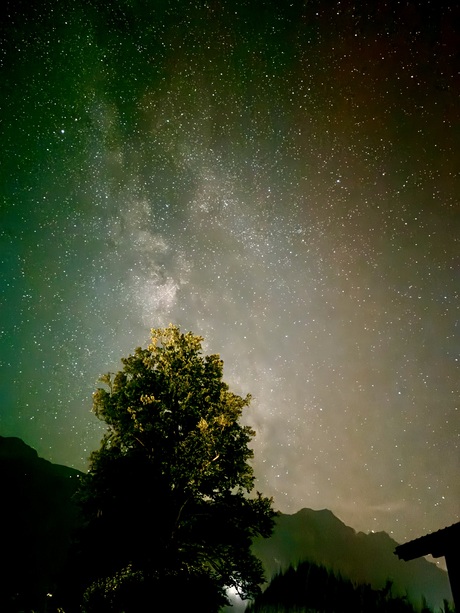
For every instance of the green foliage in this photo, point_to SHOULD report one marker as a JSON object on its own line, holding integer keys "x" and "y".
{"x": 166, "y": 500}
{"x": 447, "y": 607}
{"x": 310, "y": 588}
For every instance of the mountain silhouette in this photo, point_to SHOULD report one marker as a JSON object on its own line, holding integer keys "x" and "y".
{"x": 320, "y": 537}
{"x": 37, "y": 518}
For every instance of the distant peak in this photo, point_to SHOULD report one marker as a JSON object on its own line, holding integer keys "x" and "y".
{"x": 323, "y": 514}
{"x": 14, "y": 448}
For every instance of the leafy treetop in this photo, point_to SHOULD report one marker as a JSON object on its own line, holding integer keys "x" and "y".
{"x": 167, "y": 493}
{"x": 170, "y": 402}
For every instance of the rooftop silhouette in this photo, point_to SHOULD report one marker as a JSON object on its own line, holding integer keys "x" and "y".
{"x": 442, "y": 543}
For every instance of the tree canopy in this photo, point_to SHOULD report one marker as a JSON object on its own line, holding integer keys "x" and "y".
{"x": 166, "y": 500}
{"x": 311, "y": 587}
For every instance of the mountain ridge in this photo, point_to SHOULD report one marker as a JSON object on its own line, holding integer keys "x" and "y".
{"x": 321, "y": 537}
{"x": 41, "y": 517}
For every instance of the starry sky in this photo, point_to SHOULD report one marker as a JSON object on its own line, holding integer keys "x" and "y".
{"x": 279, "y": 177}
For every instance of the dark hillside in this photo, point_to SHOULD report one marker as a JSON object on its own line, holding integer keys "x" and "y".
{"x": 38, "y": 517}
{"x": 319, "y": 536}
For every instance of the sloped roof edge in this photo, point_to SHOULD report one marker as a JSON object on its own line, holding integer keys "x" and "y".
{"x": 437, "y": 544}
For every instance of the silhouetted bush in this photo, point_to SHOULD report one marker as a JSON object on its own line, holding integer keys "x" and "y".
{"x": 311, "y": 588}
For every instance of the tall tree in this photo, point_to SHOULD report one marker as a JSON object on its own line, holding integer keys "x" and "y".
{"x": 166, "y": 499}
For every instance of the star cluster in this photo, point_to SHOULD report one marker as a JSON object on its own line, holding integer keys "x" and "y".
{"x": 279, "y": 177}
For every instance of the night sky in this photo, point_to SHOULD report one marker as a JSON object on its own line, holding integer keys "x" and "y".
{"x": 279, "y": 177}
